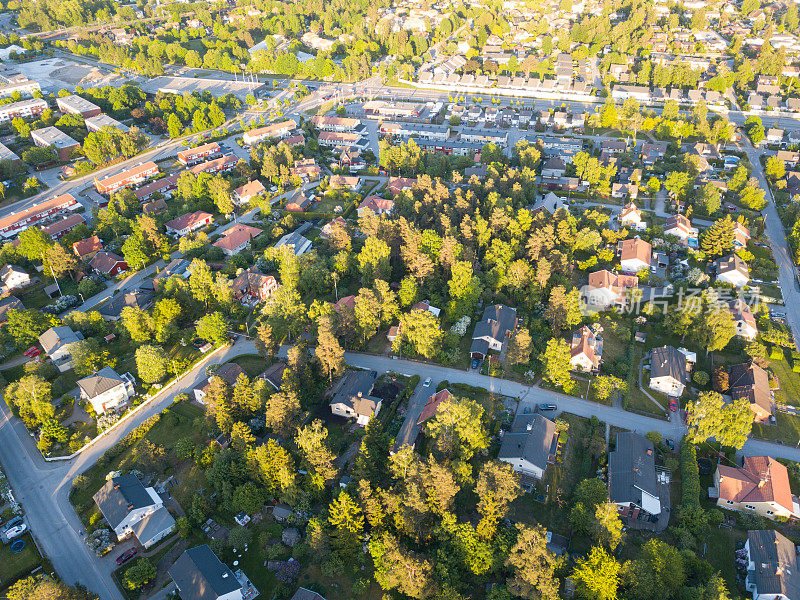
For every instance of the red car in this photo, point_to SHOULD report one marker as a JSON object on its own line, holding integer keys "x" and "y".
{"x": 32, "y": 351}
{"x": 673, "y": 404}
{"x": 126, "y": 556}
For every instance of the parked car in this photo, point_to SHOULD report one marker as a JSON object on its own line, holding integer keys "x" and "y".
{"x": 199, "y": 343}
{"x": 32, "y": 352}
{"x": 126, "y": 556}
{"x": 16, "y": 531}
{"x": 475, "y": 363}
{"x": 545, "y": 406}
{"x": 670, "y": 444}
{"x": 427, "y": 382}
{"x": 673, "y": 404}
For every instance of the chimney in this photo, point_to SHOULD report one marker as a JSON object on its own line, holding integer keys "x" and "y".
{"x": 116, "y": 486}
{"x": 225, "y": 575}
{"x": 130, "y": 507}
{"x": 360, "y": 394}
{"x": 529, "y": 426}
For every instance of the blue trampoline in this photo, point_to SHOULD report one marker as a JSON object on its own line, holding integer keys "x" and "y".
{"x": 18, "y": 546}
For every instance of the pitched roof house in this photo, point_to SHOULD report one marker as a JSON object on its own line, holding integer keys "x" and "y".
{"x": 772, "y": 571}
{"x": 668, "y": 370}
{"x": 530, "y": 446}
{"x": 56, "y": 343}
{"x": 13, "y": 277}
{"x": 631, "y": 217}
{"x": 760, "y": 486}
{"x": 750, "y": 381}
{"x": 493, "y": 331}
{"x": 108, "y": 263}
{"x": 229, "y": 373}
{"x": 746, "y": 326}
{"x": 732, "y": 269}
{"x": 606, "y": 289}
{"x": 252, "y": 286}
{"x": 586, "y": 350}
{"x": 353, "y": 397}
{"x": 327, "y": 229}
{"x": 237, "y": 238}
{"x": 632, "y": 478}
{"x": 635, "y": 255}
{"x": 741, "y": 235}
{"x": 200, "y": 575}
{"x": 680, "y": 227}
{"x": 9, "y": 303}
{"x": 248, "y": 191}
{"x": 124, "y": 501}
{"x": 140, "y": 298}
{"x": 188, "y": 223}
{"x": 432, "y": 405}
{"x": 86, "y": 248}
{"x": 375, "y": 205}
{"x": 106, "y": 389}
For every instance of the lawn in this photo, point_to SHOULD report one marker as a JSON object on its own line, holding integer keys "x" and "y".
{"x": 789, "y": 382}
{"x": 636, "y": 400}
{"x": 14, "y": 566}
{"x": 786, "y": 429}
{"x": 253, "y": 364}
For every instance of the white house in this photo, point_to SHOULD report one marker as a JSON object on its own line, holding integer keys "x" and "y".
{"x": 732, "y": 269}
{"x": 771, "y": 566}
{"x": 631, "y": 217}
{"x": 531, "y": 447}
{"x": 668, "y": 371}
{"x": 106, "y": 389}
{"x": 746, "y": 326}
{"x": 129, "y": 507}
{"x": 56, "y": 343}
{"x": 635, "y": 255}
{"x": 353, "y": 399}
{"x": 13, "y": 277}
{"x": 680, "y": 227}
{"x": 606, "y": 289}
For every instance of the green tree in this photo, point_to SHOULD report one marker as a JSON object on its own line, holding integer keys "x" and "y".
{"x": 717, "y": 240}
{"x": 774, "y": 168}
{"x": 151, "y": 363}
{"x": 597, "y": 577}
{"x": 533, "y": 565}
{"x": 556, "y": 363}
{"x": 139, "y": 574}
{"x": 458, "y": 429}
{"x": 373, "y": 260}
{"x": 345, "y": 516}
{"x": 174, "y": 126}
{"x": 421, "y": 330}
{"x": 709, "y": 200}
{"x": 710, "y": 417}
{"x": 609, "y": 525}
{"x": 398, "y": 568}
{"x": 658, "y": 573}
{"x": 315, "y": 453}
{"x": 213, "y": 327}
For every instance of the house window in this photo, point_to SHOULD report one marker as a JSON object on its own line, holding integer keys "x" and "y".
{"x": 729, "y": 501}
{"x": 749, "y": 507}
{"x": 770, "y": 512}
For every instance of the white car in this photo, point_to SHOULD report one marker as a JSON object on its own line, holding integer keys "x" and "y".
{"x": 16, "y": 531}
{"x": 427, "y": 382}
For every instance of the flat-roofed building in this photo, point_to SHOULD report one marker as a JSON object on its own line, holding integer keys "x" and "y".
{"x": 25, "y": 109}
{"x": 47, "y": 137}
{"x": 324, "y": 123}
{"x": 75, "y": 105}
{"x": 131, "y": 176}
{"x": 12, "y": 82}
{"x": 94, "y": 124}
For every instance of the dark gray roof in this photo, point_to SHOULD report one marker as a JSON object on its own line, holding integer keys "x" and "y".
{"x": 498, "y": 321}
{"x": 200, "y": 575}
{"x": 631, "y": 469}
{"x": 536, "y": 446}
{"x": 668, "y": 361}
{"x": 119, "y": 496}
{"x": 775, "y": 560}
{"x": 153, "y": 524}
{"x": 354, "y": 392}
{"x": 479, "y": 346}
{"x": 140, "y": 298}
{"x": 55, "y": 338}
{"x": 9, "y": 303}
{"x": 102, "y": 381}
{"x": 304, "y": 594}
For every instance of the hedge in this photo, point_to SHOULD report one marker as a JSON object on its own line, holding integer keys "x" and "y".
{"x": 690, "y": 473}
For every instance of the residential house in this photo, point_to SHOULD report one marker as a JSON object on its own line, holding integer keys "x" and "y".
{"x": 432, "y": 405}
{"x": 229, "y": 373}
{"x": 251, "y": 286}
{"x": 399, "y": 184}
{"x": 305, "y": 594}
{"x": 553, "y": 167}
{"x": 108, "y": 264}
{"x": 177, "y": 266}
{"x": 749, "y": 381}
{"x": 635, "y": 255}
{"x": 112, "y": 310}
{"x": 186, "y": 224}
{"x": 300, "y": 201}
{"x": 13, "y": 277}
{"x": 106, "y": 390}
{"x": 244, "y": 194}
{"x": 586, "y": 350}
{"x": 56, "y": 343}
{"x": 493, "y": 331}
{"x": 652, "y": 152}
{"x": 294, "y": 241}
{"x": 9, "y": 303}
{"x": 668, "y": 371}
{"x": 760, "y": 486}
{"x": 732, "y": 269}
{"x": 237, "y": 238}
{"x": 327, "y": 229}
{"x": 772, "y": 571}
{"x": 551, "y": 203}
{"x": 344, "y": 181}
{"x": 632, "y": 476}
{"x": 87, "y": 248}
{"x": 741, "y": 235}
{"x": 353, "y": 397}
{"x": 130, "y": 508}
{"x": 530, "y": 446}
{"x": 746, "y": 326}
{"x": 200, "y": 575}
{"x": 631, "y": 217}
{"x": 375, "y": 205}
{"x": 607, "y": 289}
{"x": 63, "y": 226}
{"x": 680, "y": 227}
{"x": 625, "y": 190}
{"x": 306, "y": 169}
